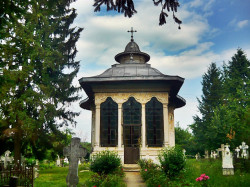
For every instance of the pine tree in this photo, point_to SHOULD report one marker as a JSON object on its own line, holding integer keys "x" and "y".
{"x": 232, "y": 117}
{"x": 37, "y": 57}
{"x": 212, "y": 96}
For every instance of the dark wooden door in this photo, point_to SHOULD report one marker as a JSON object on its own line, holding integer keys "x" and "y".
{"x": 131, "y": 141}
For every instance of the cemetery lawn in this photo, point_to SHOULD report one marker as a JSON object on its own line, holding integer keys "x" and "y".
{"x": 213, "y": 169}
{"x": 56, "y": 177}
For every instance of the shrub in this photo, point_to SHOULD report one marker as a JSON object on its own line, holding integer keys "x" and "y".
{"x": 172, "y": 161}
{"x": 84, "y": 166}
{"x": 151, "y": 173}
{"x": 115, "y": 179}
{"x": 146, "y": 164}
{"x": 105, "y": 162}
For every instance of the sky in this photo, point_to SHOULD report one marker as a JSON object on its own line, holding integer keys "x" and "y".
{"x": 212, "y": 31}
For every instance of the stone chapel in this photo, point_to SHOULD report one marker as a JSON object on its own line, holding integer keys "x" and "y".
{"x": 132, "y": 106}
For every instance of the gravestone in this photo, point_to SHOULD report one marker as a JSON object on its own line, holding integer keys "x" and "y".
{"x": 58, "y": 163}
{"x": 7, "y": 158}
{"x": 211, "y": 154}
{"x": 66, "y": 160}
{"x": 244, "y": 148}
{"x": 218, "y": 152}
{"x": 238, "y": 152}
{"x": 197, "y": 156}
{"x": 227, "y": 161}
{"x": 184, "y": 152}
{"x": 206, "y": 154}
{"x": 74, "y": 151}
{"x": 214, "y": 155}
{"x": 221, "y": 149}
{"x": 36, "y": 169}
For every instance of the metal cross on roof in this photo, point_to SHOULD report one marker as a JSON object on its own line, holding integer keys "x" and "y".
{"x": 132, "y": 31}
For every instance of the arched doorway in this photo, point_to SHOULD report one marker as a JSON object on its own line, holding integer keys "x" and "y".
{"x": 131, "y": 130}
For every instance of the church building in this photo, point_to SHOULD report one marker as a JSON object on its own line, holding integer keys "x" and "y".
{"x": 132, "y": 106}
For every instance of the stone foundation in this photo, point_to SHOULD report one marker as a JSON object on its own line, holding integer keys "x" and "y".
{"x": 146, "y": 153}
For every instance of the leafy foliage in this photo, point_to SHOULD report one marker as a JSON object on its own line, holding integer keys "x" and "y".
{"x": 127, "y": 7}
{"x": 186, "y": 140}
{"x": 105, "y": 162}
{"x": 172, "y": 161}
{"x": 151, "y": 173}
{"x": 224, "y": 105}
{"x": 88, "y": 147}
{"x": 114, "y": 179}
{"x": 37, "y": 58}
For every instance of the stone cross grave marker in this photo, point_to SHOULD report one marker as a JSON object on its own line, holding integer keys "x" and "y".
{"x": 238, "y": 152}
{"x": 222, "y": 147}
{"x": 58, "y": 161}
{"x": 227, "y": 161}
{"x": 214, "y": 155}
{"x": 244, "y": 148}
{"x": 74, "y": 151}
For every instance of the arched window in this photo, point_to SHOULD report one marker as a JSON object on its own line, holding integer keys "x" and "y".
{"x": 109, "y": 123}
{"x": 154, "y": 123}
{"x": 131, "y": 112}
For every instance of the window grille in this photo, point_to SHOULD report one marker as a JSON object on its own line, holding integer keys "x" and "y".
{"x": 154, "y": 123}
{"x": 109, "y": 123}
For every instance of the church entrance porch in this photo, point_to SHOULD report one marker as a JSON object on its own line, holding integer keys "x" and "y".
{"x": 132, "y": 134}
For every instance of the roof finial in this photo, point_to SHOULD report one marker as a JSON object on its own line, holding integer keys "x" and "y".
{"x": 132, "y": 31}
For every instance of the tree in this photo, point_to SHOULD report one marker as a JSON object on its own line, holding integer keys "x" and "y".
{"x": 37, "y": 57}
{"x": 185, "y": 140}
{"x": 127, "y": 7}
{"x": 225, "y": 105}
{"x": 231, "y": 118}
{"x": 212, "y": 89}
{"x": 88, "y": 147}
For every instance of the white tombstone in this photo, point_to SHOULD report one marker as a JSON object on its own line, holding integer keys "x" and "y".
{"x": 196, "y": 157}
{"x": 238, "y": 152}
{"x": 58, "y": 163}
{"x": 214, "y": 155}
{"x": 206, "y": 154}
{"x": 211, "y": 154}
{"x": 227, "y": 161}
{"x": 244, "y": 148}
{"x": 7, "y": 158}
{"x": 184, "y": 152}
{"x": 66, "y": 160}
{"x": 36, "y": 169}
{"x": 221, "y": 149}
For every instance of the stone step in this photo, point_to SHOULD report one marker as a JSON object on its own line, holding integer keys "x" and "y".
{"x": 131, "y": 168}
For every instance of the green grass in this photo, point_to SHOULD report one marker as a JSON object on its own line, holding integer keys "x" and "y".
{"x": 213, "y": 168}
{"x": 56, "y": 177}
{"x": 193, "y": 169}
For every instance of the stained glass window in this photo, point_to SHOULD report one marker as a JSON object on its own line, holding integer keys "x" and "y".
{"x": 109, "y": 123}
{"x": 154, "y": 123}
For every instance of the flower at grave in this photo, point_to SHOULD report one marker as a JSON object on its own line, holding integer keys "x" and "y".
{"x": 203, "y": 178}
{"x": 146, "y": 170}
